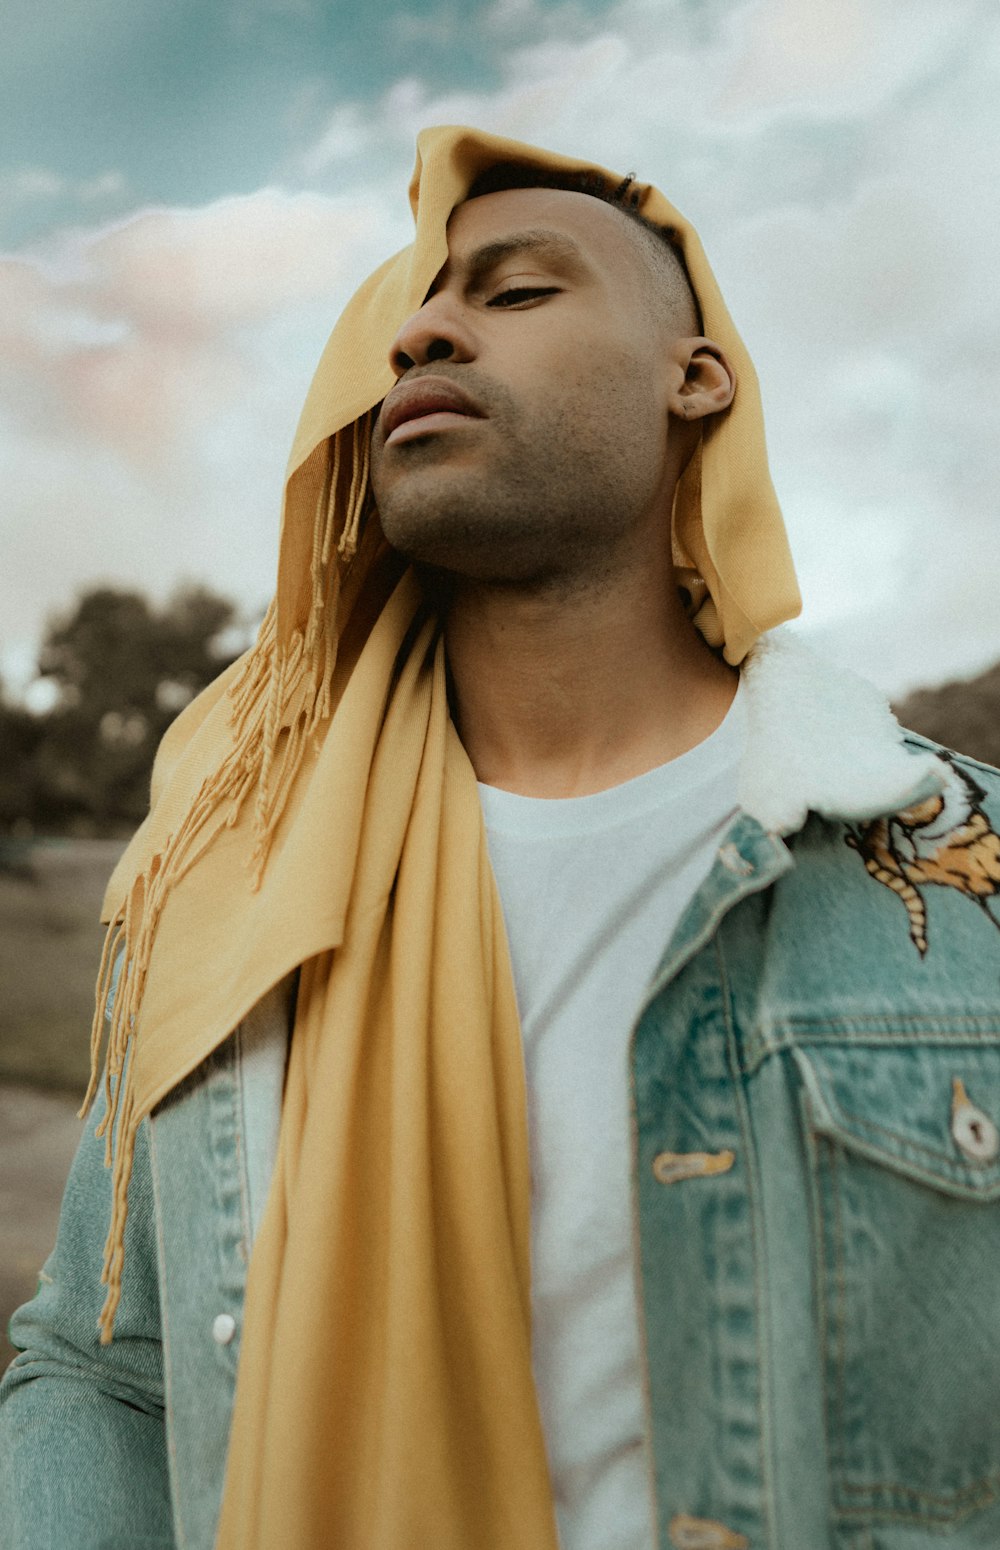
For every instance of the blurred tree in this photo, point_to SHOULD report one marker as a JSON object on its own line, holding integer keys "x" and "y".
{"x": 20, "y": 735}
{"x": 114, "y": 650}
{"x": 964, "y": 716}
{"x": 122, "y": 669}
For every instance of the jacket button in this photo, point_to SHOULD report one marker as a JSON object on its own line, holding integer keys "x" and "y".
{"x": 672, "y": 1167}
{"x": 224, "y": 1328}
{"x": 973, "y": 1132}
{"x": 687, "y": 1533}
{"x": 735, "y": 862}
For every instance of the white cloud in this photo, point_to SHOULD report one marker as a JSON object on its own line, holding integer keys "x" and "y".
{"x": 29, "y": 185}
{"x": 838, "y": 160}
{"x": 345, "y": 136}
{"x": 105, "y": 186}
{"x": 33, "y": 183}
{"x": 839, "y": 55}
{"x": 150, "y": 378}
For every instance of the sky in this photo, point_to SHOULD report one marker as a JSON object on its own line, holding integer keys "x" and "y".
{"x": 190, "y": 193}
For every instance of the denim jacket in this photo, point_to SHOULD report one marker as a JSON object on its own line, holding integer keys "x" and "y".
{"x": 816, "y": 1176}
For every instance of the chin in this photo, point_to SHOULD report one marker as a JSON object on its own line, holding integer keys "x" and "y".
{"x": 453, "y": 536}
{"x": 444, "y": 522}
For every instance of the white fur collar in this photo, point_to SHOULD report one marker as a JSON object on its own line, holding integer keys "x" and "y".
{"x": 821, "y": 739}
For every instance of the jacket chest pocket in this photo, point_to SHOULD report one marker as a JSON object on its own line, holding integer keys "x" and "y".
{"x": 906, "y": 1190}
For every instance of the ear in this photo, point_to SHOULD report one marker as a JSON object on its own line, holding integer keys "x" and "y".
{"x": 704, "y": 380}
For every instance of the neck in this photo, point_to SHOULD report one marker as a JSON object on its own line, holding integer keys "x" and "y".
{"x": 559, "y": 695}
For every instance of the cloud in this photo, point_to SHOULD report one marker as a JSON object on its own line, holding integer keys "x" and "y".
{"x": 131, "y": 331}
{"x": 845, "y": 56}
{"x": 838, "y": 161}
{"x": 32, "y": 183}
{"x": 106, "y": 185}
{"x": 150, "y": 377}
{"x": 345, "y": 137}
{"x": 36, "y": 184}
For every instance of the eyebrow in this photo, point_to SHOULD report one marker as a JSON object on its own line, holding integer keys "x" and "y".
{"x": 540, "y": 240}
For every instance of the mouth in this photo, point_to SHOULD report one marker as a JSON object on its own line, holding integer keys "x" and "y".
{"x": 424, "y": 424}
{"x": 419, "y": 408}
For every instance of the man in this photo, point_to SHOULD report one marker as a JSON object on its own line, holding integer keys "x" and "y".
{"x": 536, "y": 964}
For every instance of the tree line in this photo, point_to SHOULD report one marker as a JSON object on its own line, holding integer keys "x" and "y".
{"x": 118, "y": 669}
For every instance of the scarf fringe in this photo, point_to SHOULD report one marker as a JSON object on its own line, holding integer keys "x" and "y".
{"x": 279, "y": 702}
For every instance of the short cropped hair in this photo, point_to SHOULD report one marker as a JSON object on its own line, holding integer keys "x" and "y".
{"x": 659, "y": 242}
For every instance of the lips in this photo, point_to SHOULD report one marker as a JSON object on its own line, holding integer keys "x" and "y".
{"x": 426, "y": 396}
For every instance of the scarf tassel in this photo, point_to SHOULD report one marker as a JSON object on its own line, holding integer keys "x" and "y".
{"x": 278, "y": 703}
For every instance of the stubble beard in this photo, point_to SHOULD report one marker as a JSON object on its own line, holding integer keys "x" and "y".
{"x": 546, "y": 514}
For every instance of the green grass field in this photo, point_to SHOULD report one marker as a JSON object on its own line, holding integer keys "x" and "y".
{"x": 50, "y": 947}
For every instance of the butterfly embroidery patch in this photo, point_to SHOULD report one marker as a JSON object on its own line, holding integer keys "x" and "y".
{"x": 946, "y": 840}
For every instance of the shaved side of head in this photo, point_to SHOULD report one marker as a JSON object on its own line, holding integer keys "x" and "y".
{"x": 671, "y": 296}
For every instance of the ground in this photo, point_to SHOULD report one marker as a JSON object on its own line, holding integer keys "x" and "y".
{"x": 50, "y": 943}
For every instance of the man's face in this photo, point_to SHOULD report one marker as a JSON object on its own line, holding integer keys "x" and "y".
{"x": 526, "y": 437}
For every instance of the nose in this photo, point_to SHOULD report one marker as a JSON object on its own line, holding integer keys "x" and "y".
{"x": 437, "y": 332}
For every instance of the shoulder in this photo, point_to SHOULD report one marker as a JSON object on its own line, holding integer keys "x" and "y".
{"x": 972, "y": 772}
{"x": 934, "y": 866}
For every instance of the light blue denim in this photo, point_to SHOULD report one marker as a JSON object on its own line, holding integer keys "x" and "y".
{"x": 821, "y": 1316}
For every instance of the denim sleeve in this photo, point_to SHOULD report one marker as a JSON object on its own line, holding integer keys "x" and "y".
{"x": 83, "y": 1459}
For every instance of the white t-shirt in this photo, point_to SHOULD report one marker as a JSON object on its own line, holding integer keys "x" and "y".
{"x": 592, "y": 888}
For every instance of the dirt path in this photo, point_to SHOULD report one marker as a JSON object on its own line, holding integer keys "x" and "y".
{"x": 39, "y": 1132}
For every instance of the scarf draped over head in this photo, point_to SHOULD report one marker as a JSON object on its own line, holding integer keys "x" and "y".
{"x": 314, "y": 807}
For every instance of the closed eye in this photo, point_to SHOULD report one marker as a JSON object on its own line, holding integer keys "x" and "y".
{"x": 519, "y": 294}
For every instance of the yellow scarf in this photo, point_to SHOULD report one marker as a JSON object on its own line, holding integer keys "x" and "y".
{"x": 315, "y": 807}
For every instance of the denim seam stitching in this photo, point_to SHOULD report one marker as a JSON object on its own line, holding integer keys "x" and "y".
{"x": 987, "y": 1483}
{"x": 759, "y": 1254}
{"x": 239, "y": 1134}
{"x": 916, "y": 1146}
{"x": 840, "y": 1292}
{"x": 175, "y": 1494}
{"x": 977, "y": 1035}
{"x": 224, "y": 1126}
{"x": 818, "y": 1241}
{"x": 911, "y": 1516}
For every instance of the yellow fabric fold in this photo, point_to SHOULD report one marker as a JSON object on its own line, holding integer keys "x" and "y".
{"x": 315, "y": 808}
{"x": 385, "y": 1391}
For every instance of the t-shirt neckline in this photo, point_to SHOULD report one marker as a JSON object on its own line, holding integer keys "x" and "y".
{"x": 511, "y": 813}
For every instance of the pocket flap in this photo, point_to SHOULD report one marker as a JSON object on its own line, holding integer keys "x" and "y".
{"x": 929, "y": 1111}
